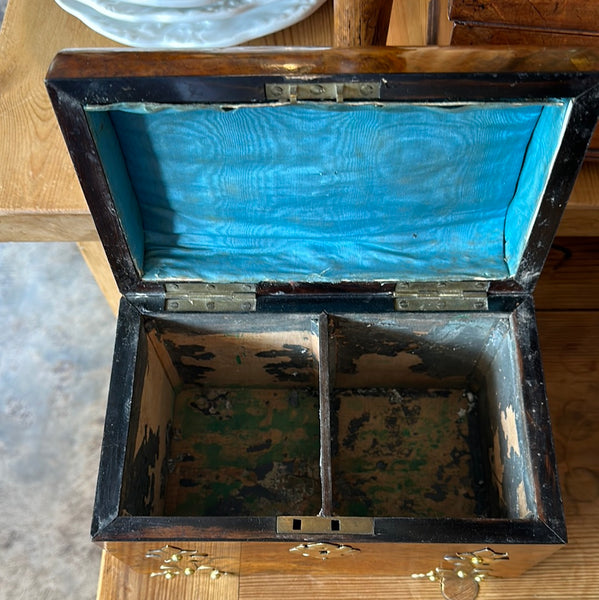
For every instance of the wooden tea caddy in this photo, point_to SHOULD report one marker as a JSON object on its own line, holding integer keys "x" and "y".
{"x": 326, "y": 354}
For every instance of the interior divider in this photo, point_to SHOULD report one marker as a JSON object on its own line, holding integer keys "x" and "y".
{"x": 326, "y": 367}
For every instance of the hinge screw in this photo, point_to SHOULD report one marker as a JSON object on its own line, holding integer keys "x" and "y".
{"x": 276, "y": 90}
{"x": 210, "y": 305}
{"x": 317, "y": 90}
{"x": 366, "y": 89}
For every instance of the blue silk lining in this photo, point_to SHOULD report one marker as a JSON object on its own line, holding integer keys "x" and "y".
{"x": 328, "y": 192}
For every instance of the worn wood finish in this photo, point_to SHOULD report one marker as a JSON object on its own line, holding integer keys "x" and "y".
{"x": 133, "y": 585}
{"x": 244, "y": 451}
{"x": 573, "y": 15}
{"x": 263, "y": 561}
{"x": 223, "y": 556}
{"x": 150, "y": 433}
{"x": 81, "y": 64}
{"x": 245, "y": 441}
{"x": 568, "y": 342}
{"x": 480, "y": 34}
{"x": 361, "y": 22}
{"x": 538, "y": 22}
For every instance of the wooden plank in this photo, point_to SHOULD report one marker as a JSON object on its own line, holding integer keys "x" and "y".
{"x": 38, "y": 186}
{"x": 574, "y": 15}
{"x": 95, "y": 258}
{"x": 570, "y": 278}
{"x": 479, "y": 34}
{"x": 582, "y": 213}
{"x": 361, "y": 22}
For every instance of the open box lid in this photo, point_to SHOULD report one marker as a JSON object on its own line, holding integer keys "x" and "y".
{"x": 372, "y": 165}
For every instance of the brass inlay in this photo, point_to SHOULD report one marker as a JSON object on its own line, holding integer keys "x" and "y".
{"x": 353, "y": 525}
{"x": 323, "y": 550}
{"x": 176, "y": 561}
{"x": 460, "y": 574}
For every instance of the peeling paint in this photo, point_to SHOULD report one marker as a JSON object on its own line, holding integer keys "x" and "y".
{"x": 510, "y": 431}
{"x": 497, "y": 465}
{"x": 523, "y": 509}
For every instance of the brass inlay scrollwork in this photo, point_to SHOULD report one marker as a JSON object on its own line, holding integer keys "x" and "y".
{"x": 460, "y": 574}
{"x": 177, "y": 561}
{"x": 323, "y": 550}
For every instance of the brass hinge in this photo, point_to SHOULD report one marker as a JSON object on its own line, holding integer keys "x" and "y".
{"x": 441, "y": 295}
{"x": 210, "y": 297}
{"x": 292, "y": 92}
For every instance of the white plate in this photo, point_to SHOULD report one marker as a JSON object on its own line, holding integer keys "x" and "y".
{"x": 188, "y": 23}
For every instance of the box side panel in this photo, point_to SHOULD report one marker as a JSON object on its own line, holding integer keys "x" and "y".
{"x": 128, "y": 366}
{"x": 380, "y": 559}
{"x": 157, "y": 557}
{"x": 150, "y": 435}
{"x": 506, "y": 443}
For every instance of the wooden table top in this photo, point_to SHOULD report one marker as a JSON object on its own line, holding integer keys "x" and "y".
{"x": 40, "y": 198}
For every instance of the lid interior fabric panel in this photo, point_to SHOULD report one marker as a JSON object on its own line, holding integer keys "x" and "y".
{"x": 328, "y": 191}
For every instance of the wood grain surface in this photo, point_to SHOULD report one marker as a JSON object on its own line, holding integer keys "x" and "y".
{"x": 570, "y": 278}
{"x": 477, "y": 34}
{"x": 573, "y": 15}
{"x": 39, "y": 192}
{"x": 361, "y": 22}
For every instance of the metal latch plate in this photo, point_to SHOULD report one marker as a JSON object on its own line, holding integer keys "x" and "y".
{"x": 338, "y": 92}
{"x": 210, "y": 297}
{"x": 328, "y": 525}
{"x": 441, "y": 295}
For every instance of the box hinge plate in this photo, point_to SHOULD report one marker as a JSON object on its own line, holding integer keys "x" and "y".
{"x": 292, "y": 92}
{"x": 441, "y": 295}
{"x": 210, "y": 297}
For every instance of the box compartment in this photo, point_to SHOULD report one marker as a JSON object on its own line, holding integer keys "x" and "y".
{"x": 378, "y": 415}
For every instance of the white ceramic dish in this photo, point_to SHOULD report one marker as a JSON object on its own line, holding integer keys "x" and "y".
{"x": 188, "y": 23}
